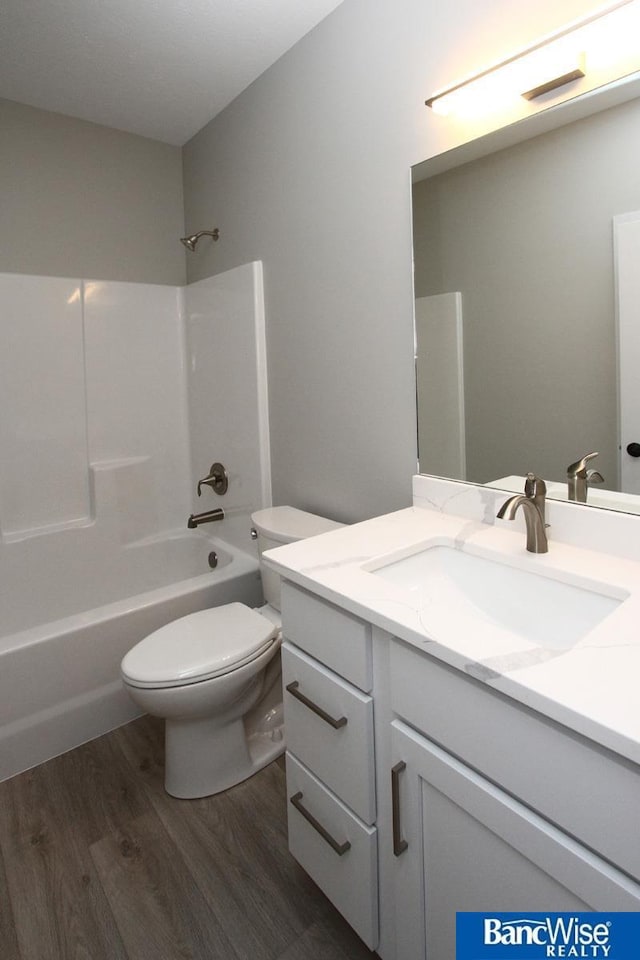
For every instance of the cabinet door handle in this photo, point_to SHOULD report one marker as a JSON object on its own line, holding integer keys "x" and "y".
{"x": 399, "y": 845}
{"x": 340, "y": 848}
{"x": 295, "y": 692}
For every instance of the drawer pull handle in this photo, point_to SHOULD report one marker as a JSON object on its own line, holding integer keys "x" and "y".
{"x": 399, "y": 845}
{"x": 295, "y": 692}
{"x": 340, "y": 848}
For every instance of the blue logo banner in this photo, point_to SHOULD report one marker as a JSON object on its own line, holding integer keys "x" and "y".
{"x": 509, "y": 936}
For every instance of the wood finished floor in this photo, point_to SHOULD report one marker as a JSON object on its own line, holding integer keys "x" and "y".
{"x": 97, "y": 862}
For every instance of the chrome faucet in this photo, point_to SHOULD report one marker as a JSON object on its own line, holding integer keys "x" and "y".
{"x": 579, "y": 478}
{"x": 533, "y": 504}
{"x": 197, "y": 518}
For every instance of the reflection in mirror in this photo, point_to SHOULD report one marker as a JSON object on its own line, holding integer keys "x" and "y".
{"x": 519, "y": 257}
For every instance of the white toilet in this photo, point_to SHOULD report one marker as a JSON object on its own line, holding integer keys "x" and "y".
{"x": 215, "y": 677}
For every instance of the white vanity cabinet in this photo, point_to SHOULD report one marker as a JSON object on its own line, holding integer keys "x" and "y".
{"x": 326, "y": 667}
{"x": 416, "y": 790}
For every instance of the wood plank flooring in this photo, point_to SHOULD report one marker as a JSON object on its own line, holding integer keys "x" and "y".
{"x": 97, "y": 862}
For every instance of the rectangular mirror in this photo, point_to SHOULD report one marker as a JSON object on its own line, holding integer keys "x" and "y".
{"x": 526, "y": 252}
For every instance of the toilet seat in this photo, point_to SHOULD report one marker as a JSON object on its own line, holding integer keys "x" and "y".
{"x": 200, "y": 646}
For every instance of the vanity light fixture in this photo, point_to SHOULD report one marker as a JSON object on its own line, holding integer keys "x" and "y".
{"x": 598, "y": 42}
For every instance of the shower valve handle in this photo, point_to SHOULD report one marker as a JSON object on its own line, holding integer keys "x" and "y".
{"x": 217, "y": 480}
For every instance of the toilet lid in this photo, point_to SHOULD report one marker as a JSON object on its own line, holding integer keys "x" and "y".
{"x": 200, "y": 646}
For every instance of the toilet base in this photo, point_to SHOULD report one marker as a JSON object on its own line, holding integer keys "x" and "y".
{"x": 203, "y": 758}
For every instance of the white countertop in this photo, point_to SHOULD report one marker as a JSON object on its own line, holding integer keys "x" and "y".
{"x": 592, "y": 688}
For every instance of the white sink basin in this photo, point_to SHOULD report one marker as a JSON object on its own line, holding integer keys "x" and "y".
{"x": 539, "y": 609}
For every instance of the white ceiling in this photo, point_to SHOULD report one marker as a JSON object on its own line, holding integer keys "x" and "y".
{"x": 160, "y": 68}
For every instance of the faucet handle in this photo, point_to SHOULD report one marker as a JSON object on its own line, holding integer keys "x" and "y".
{"x": 594, "y": 476}
{"x": 536, "y": 489}
{"x": 217, "y": 480}
{"x": 534, "y": 486}
{"x": 578, "y": 469}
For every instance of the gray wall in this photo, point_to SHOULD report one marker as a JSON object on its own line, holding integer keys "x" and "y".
{"x": 81, "y": 200}
{"x": 308, "y": 170}
{"x": 526, "y": 236}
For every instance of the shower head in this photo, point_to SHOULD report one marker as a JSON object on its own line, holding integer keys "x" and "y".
{"x": 190, "y": 242}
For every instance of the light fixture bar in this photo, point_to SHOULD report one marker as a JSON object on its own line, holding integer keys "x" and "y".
{"x": 437, "y": 101}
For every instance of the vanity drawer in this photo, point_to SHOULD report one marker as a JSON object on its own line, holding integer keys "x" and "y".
{"x": 586, "y": 790}
{"x": 329, "y": 726}
{"x": 337, "y": 639}
{"x": 320, "y": 828}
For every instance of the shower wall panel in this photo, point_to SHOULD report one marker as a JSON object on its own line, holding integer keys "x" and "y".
{"x": 115, "y": 398}
{"x": 227, "y": 390}
{"x": 43, "y": 432}
{"x": 136, "y": 400}
{"x": 93, "y": 411}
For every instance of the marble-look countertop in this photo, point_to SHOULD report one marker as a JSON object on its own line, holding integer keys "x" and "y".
{"x": 593, "y": 688}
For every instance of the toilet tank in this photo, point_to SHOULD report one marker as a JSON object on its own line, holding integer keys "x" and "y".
{"x": 276, "y": 526}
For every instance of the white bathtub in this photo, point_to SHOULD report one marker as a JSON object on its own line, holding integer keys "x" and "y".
{"x": 65, "y": 629}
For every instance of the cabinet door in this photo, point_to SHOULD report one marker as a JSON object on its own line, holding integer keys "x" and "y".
{"x": 463, "y": 844}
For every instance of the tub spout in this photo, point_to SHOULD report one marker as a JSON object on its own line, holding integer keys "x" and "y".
{"x": 197, "y": 518}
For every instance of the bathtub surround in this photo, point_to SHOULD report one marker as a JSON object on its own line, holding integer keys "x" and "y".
{"x": 91, "y": 384}
{"x": 97, "y": 479}
{"x": 138, "y": 389}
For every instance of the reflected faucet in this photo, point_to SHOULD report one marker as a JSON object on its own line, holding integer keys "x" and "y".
{"x": 579, "y": 478}
{"x": 197, "y": 518}
{"x": 533, "y": 504}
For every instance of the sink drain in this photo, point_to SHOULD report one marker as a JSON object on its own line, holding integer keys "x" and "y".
{"x": 213, "y": 559}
